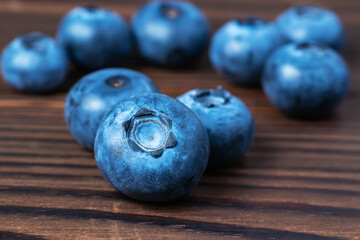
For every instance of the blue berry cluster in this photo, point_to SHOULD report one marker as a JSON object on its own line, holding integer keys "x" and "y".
{"x": 150, "y": 146}
{"x": 293, "y": 58}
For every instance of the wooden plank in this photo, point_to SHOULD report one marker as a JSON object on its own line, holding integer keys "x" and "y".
{"x": 300, "y": 180}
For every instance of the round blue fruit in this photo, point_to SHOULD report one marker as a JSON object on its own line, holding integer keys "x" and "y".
{"x": 34, "y": 63}
{"x": 312, "y": 23}
{"x": 152, "y": 148}
{"x": 94, "y": 95}
{"x": 228, "y": 122}
{"x": 239, "y": 49}
{"x": 170, "y": 33}
{"x": 306, "y": 79}
{"x": 95, "y": 37}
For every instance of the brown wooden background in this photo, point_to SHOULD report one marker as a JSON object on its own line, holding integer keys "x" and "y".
{"x": 301, "y": 179}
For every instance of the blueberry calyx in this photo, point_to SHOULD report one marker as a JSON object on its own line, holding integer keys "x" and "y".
{"x": 304, "y": 45}
{"x": 32, "y": 41}
{"x": 314, "y": 50}
{"x": 210, "y": 98}
{"x": 251, "y": 21}
{"x": 150, "y": 132}
{"x": 310, "y": 45}
{"x": 90, "y": 8}
{"x": 116, "y": 81}
{"x": 170, "y": 11}
{"x": 306, "y": 10}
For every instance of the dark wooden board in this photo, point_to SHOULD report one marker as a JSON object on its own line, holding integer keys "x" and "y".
{"x": 301, "y": 179}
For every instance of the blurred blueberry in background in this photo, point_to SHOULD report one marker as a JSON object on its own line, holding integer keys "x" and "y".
{"x": 170, "y": 33}
{"x": 306, "y": 79}
{"x": 34, "y": 63}
{"x": 312, "y": 23}
{"x": 95, "y": 37}
{"x": 239, "y": 49}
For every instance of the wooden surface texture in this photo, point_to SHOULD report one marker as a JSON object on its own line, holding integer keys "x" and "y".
{"x": 300, "y": 180}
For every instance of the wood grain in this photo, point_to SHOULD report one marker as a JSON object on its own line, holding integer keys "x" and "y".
{"x": 301, "y": 179}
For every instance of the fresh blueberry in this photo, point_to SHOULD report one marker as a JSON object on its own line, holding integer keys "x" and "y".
{"x": 95, "y": 37}
{"x": 152, "y": 148}
{"x": 227, "y": 120}
{"x": 94, "y": 95}
{"x": 34, "y": 63}
{"x": 311, "y": 23}
{"x": 306, "y": 79}
{"x": 238, "y": 50}
{"x": 170, "y": 33}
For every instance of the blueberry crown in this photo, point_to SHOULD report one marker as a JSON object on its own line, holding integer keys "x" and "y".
{"x": 307, "y": 10}
{"x": 251, "y": 21}
{"x": 90, "y": 8}
{"x": 149, "y": 132}
{"x": 117, "y": 81}
{"x": 33, "y": 41}
{"x": 310, "y": 45}
{"x": 170, "y": 10}
{"x": 210, "y": 98}
{"x": 313, "y": 50}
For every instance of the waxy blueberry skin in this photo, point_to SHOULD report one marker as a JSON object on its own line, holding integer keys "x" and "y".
{"x": 170, "y": 33}
{"x": 311, "y": 23}
{"x": 306, "y": 80}
{"x": 228, "y": 121}
{"x": 239, "y": 49}
{"x": 152, "y": 148}
{"x": 95, "y": 37}
{"x": 94, "y": 95}
{"x": 34, "y": 63}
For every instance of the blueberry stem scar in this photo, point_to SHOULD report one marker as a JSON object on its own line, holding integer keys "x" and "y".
{"x": 212, "y": 98}
{"x": 308, "y": 45}
{"x": 135, "y": 143}
{"x": 306, "y": 10}
{"x": 90, "y": 7}
{"x": 170, "y": 12}
{"x": 31, "y": 40}
{"x": 116, "y": 81}
{"x": 136, "y": 140}
{"x": 251, "y": 21}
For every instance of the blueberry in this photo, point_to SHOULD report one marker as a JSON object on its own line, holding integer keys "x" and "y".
{"x": 312, "y": 23}
{"x": 170, "y": 33}
{"x": 227, "y": 120}
{"x": 151, "y": 148}
{"x": 34, "y": 63}
{"x": 95, "y": 37}
{"x": 239, "y": 49}
{"x": 90, "y": 98}
{"x": 306, "y": 79}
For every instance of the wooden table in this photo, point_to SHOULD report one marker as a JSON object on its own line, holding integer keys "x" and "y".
{"x": 301, "y": 179}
